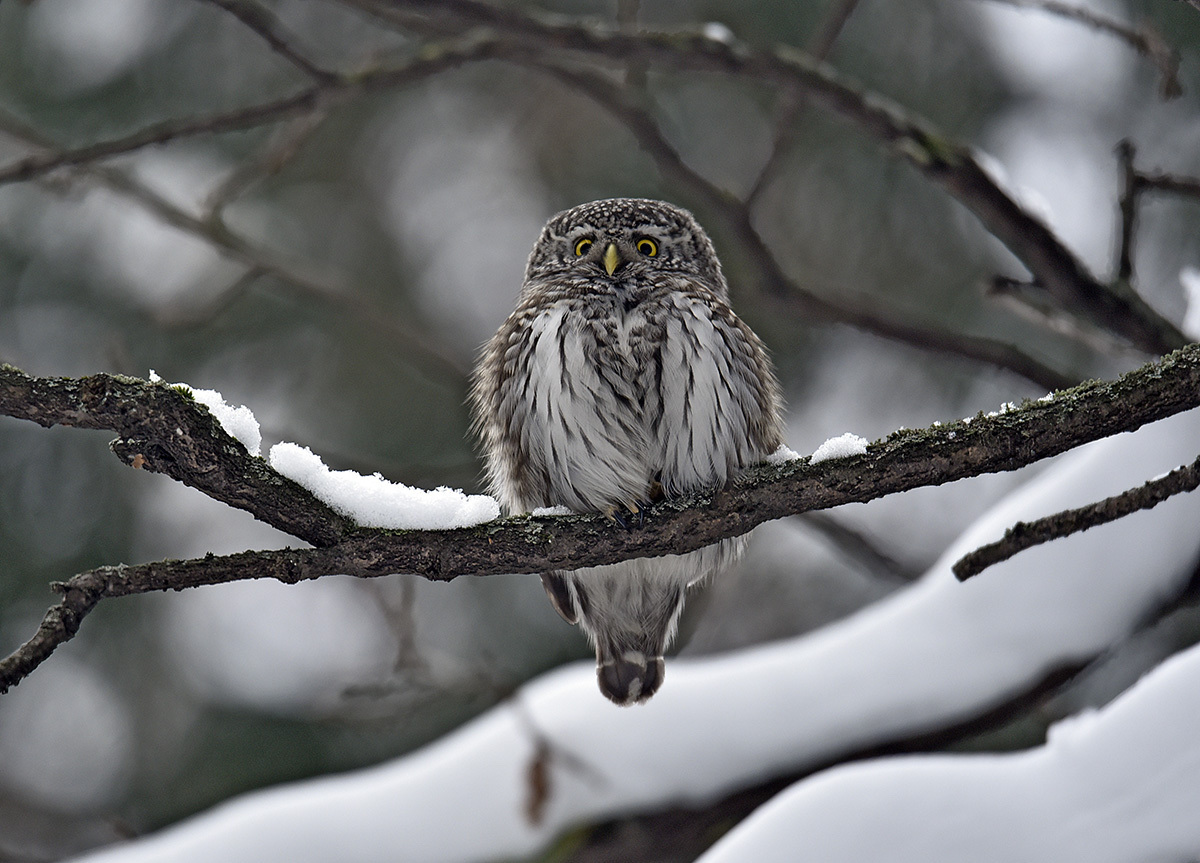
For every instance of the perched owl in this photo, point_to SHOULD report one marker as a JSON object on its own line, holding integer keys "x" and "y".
{"x": 623, "y": 376}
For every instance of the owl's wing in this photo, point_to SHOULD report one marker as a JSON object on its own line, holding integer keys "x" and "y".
{"x": 720, "y": 404}
{"x": 559, "y": 592}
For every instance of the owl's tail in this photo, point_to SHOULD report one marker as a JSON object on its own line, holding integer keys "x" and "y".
{"x": 629, "y": 611}
{"x": 629, "y": 648}
{"x": 629, "y": 678}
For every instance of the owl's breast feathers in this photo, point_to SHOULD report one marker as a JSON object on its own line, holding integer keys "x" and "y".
{"x": 586, "y": 400}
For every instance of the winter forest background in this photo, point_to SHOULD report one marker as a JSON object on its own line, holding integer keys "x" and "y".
{"x": 321, "y": 208}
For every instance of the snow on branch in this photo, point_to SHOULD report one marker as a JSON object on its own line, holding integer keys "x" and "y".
{"x": 163, "y": 429}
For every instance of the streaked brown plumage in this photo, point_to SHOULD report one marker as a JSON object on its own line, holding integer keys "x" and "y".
{"x": 621, "y": 376}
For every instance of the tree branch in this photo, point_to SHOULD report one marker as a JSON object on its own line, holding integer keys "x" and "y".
{"x": 164, "y": 430}
{"x": 430, "y": 60}
{"x": 1023, "y": 535}
{"x": 1144, "y": 39}
{"x": 269, "y": 28}
{"x": 774, "y": 281}
{"x": 251, "y": 117}
{"x": 1158, "y": 181}
{"x": 172, "y": 435}
{"x": 941, "y": 159}
{"x": 522, "y": 37}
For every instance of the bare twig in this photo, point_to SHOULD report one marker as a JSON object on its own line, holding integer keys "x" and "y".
{"x": 279, "y": 150}
{"x": 1134, "y": 183}
{"x": 1023, "y": 535}
{"x": 268, "y": 27}
{"x": 859, "y": 548}
{"x": 1144, "y": 39}
{"x": 1031, "y": 302}
{"x": 430, "y": 60}
{"x": 416, "y": 344}
{"x": 254, "y": 116}
{"x": 148, "y": 416}
{"x": 792, "y": 100}
{"x": 1128, "y": 206}
{"x": 627, "y": 22}
{"x": 1161, "y": 182}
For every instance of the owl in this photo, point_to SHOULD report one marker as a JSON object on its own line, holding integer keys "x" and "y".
{"x": 623, "y": 376}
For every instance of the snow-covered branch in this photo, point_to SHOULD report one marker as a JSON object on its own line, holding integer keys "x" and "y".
{"x": 163, "y": 429}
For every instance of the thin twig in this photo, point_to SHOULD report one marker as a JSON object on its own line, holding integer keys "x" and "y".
{"x": 251, "y": 117}
{"x": 148, "y": 416}
{"x": 282, "y": 147}
{"x": 792, "y": 100}
{"x": 415, "y": 344}
{"x": 1030, "y": 301}
{"x": 429, "y": 61}
{"x": 627, "y": 22}
{"x": 1128, "y": 207}
{"x": 859, "y": 548}
{"x": 1023, "y": 535}
{"x": 1160, "y": 182}
{"x": 268, "y": 27}
{"x": 1145, "y": 39}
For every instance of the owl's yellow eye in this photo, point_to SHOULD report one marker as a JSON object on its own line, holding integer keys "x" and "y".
{"x": 649, "y": 248}
{"x": 581, "y": 248}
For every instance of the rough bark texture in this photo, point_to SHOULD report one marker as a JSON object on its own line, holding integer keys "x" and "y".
{"x": 1027, "y": 534}
{"x": 165, "y": 430}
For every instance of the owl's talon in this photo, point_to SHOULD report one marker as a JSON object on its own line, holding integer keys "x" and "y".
{"x": 637, "y": 509}
{"x": 614, "y": 515}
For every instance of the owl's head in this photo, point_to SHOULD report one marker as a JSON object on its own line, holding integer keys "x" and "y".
{"x": 625, "y": 240}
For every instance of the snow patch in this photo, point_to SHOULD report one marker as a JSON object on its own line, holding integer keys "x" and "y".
{"x": 238, "y": 422}
{"x": 718, "y": 32}
{"x": 373, "y": 501}
{"x": 842, "y": 446}
{"x": 784, "y": 453}
{"x": 1109, "y": 785}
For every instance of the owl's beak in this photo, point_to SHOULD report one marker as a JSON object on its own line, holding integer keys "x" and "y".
{"x": 612, "y": 259}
